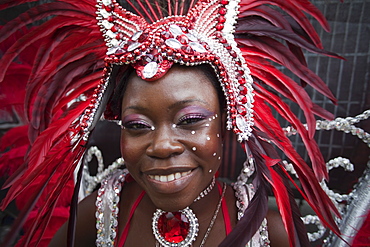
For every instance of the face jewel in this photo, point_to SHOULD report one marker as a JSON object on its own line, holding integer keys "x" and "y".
{"x": 173, "y": 43}
{"x": 150, "y": 70}
{"x": 175, "y": 229}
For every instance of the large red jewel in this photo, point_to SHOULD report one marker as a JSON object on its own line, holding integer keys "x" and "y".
{"x": 173, "y": 226}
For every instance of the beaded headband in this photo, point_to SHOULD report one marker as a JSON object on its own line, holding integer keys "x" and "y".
{"x": 204, "y": 35}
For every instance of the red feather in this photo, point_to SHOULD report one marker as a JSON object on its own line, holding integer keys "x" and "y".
{"x": 313, "y": 150}
{"x": 317, "y": 198}
{"x": 39, "y": 150}
{"x": 289, "y": 7}
{"x": 282, "y": 198}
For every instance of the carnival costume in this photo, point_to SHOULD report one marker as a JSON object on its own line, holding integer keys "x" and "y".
{"x": 68, "y": 87}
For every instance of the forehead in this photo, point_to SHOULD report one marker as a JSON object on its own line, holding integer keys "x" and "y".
{"x": 179, "y": 84}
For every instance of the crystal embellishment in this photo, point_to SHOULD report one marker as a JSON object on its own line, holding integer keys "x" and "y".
{"x": 173, "y": 43}
{"x": 175, "y": 229}
{"x": 150, "y": 70}
{"x": 197, "y": 47}
{"x": 133, "y": 46}
{"x": 176, "y": 30}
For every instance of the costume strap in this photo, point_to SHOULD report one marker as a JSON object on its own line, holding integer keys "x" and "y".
{"x": 225, "y": 212}
{"x": 127, "y": 226}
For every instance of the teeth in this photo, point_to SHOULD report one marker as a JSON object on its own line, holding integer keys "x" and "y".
{"x": 163, "y": 178}
{"x": 170, "y": 177}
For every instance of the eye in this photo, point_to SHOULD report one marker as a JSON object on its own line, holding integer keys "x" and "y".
{"x": 136, "y": 125}
{"x": 190, "y": 119}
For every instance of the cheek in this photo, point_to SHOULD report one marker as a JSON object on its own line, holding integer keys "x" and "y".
{"x": 207, "y": 143}
{"x": 131, "y": 149}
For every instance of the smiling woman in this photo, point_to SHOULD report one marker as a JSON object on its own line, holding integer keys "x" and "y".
{"x": 169, "y": 130}
{"x": 175, "y": 75}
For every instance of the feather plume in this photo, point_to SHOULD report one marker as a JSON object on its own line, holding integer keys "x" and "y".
{"x": 313, "y": 150}
{"x": 314, "y": 194}
{"x": 39, "y": 151}
{"x": 296, "y": 13}
{"x": 257, "y": 208}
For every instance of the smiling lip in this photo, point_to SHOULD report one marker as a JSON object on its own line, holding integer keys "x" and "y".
{"x": 169, "y": 177}
{"x": 170, "y": 183}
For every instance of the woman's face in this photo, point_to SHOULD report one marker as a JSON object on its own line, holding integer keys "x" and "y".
{"x": 171, "y": 141}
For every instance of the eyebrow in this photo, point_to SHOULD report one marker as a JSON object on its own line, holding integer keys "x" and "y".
{"x": 182, "y": 102}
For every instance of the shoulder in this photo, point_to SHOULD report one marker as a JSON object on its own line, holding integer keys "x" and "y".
{"x": 85, "y": 225}
{"x": 276, "y": 230}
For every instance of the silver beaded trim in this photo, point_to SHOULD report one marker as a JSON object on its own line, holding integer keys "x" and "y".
{"x": 206, "y": 190}
{"x": 90, "y": 182}
{"x": 244, "y": 192}
{"x": 341, "y": 124}
{"x": 342, "y": 201}
{"x": 107, "y": 209}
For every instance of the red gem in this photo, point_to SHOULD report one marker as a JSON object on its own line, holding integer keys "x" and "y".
{"x": 173, "y": 227}
{"x": 169, "y": 51}
{"x": 243, "y": 90}
{"x": 222, "y": 11}
{"x": 143, "y": 37}
{"x": 119, "y": 36}
{"x": 244, "y": 100}
{"x": 183, "y": 39}
{"x": 166, "y": 35}
{"x": 187, "y": 49}
{"x": 114, "y": 29}
{"x": 219, "y": 27}
{"x": 109, "y": 8}
{"x": 242, "y": 111}
{"x": 224, "y": 2}
{"x": 241, "y": 81}
{"x": 158, "y": 42}
{"x": 233, "y": 54}
{"x": 110, "y": 18}
{"x": 221, "y": 19}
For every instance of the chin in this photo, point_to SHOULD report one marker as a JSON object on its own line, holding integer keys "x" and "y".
{"x": 171, "y": 204}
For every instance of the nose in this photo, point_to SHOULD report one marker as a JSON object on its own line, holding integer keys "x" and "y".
{"x": 164, "y": 144}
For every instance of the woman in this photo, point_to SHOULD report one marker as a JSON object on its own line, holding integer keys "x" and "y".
{"x": 169, "y": 161}
{"x": 173, "y": 119}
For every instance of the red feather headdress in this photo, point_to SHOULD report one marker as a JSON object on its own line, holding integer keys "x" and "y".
{"x": 68, "y": 88}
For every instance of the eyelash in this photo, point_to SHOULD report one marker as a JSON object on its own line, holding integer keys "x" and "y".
{"x": 186, "y": 120}
{"x": 135, "y": 125}
{"x": 193, "y": 118}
